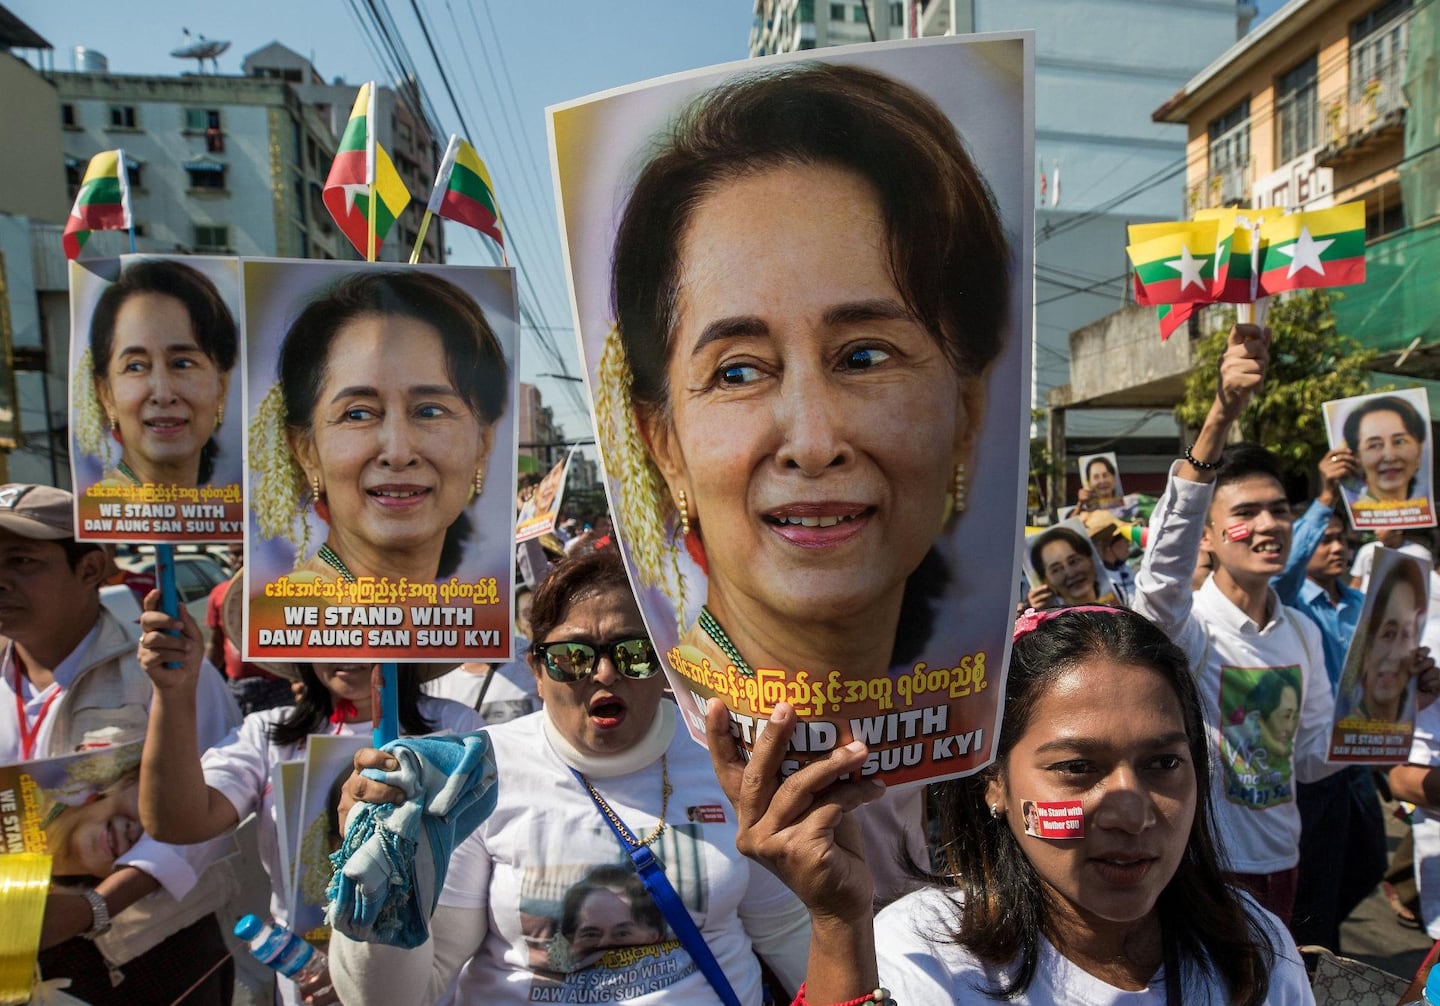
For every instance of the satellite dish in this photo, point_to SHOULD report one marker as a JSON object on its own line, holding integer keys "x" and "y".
{"x": 200, "y": 49}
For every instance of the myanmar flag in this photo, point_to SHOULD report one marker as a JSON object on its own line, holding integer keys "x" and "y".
{"x": 1238, "y": 255}
{"x": 103, "y": 202}
{"x": 463, "y": 191}
{"x": 1172, "y": 316}
{"x": 362, "y": 167}
{"x": 1314, "y": 249}
{"x": 1174, "y": 261}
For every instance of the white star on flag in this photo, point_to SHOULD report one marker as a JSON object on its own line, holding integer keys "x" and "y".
{"x": 1189, "y": 267}
{"x": 1305, "y": 253}
{"x": 351, "y": 191}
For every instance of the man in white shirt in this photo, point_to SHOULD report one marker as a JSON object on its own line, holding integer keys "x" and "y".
{"x": 69, "y": 678}
{"x": 1259, "y": 665}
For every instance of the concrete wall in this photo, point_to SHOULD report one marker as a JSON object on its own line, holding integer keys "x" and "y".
{"x": 30, "y": 147}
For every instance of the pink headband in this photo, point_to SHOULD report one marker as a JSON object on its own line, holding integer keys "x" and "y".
{"x": 1032, "y": 619}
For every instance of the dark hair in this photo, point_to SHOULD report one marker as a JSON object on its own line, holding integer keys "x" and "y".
{"x": 474, "y": 361}
{"x": 578, "y": 576}
{"x": 1264, "y": 697}
{"x": 312, "y": 710}
{"x": 619, "y": 879}
{"x": 1099, "y": 459}
{"x": 1071, "y": 537}
{"x": 947, "y": 251}
{"x": 1410, "y": 418}
{"x": 215, "y": 331}
{"x": 77, "y": 550}
{"x": 1003, "y": 908}
{"x": 1240, "y": 461}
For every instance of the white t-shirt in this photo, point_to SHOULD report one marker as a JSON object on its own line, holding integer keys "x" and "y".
{"x": 919, "y": 965}
{"x": 512, "y": 692}
{"x": 1255, "y": 682}
{"x": 527, "y": 865}
{"x": 1365, "y": 560}
{"x": 1425, "y": 750}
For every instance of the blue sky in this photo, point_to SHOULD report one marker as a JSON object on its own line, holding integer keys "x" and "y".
{"x": 550, "y": 51}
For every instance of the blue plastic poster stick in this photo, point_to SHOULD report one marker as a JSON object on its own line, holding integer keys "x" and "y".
{"x": 385, "y": 703}
{"x": 165, "y": 578}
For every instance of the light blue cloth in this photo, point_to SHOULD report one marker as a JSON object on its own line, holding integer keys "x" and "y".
{"x": 1337, "y": 622}
{"x": 376, "y": 894}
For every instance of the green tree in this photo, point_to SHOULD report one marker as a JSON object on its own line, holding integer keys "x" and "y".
{"x": 1310, "y": 363}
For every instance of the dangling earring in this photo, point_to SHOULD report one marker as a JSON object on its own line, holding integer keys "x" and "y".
{"x": 684, "y": 505}
{"x": 114, "y": 423}
{"x": 959, "y": 490}
{"x": 479, "y": 482}
{"x": 995, "y": 811}
{"x": 220, "y": 416}
{"x": 315, "y": 490}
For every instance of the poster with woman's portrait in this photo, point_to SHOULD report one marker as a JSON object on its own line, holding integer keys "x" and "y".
{"x": 83, "y": 809}
{"x": 379, "y": 461}
{"x": 1063, "y": 560}
{"x": 156, "y": 440}
{"x": 539, "y": 513}
{"x": 801, "y": 288}
{"x": 1389, "y": 434}
{"x": 1375, "y": 704}
{"x": 1100, "y": 476}
{"x": 329, "y": 760}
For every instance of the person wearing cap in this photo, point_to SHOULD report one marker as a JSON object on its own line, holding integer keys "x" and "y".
{"x": 189, "y": 798}
{"x": 1111, "y": 538}
{"x": 70, "y": 674}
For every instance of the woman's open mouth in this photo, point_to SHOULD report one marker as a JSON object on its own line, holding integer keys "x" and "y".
{"x": 607, "y": 712}
{"x": 166, "y": 426}
{"x": 398, "y": 497}
{"x": 818, "y": 525}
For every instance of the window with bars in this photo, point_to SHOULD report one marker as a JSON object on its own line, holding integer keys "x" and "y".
{"x": 1297, "y": 111}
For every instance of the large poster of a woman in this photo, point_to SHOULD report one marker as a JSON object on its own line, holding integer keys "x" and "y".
{"x": 154, "y": 343}
{"x": 379, "y": 461}
{"x": 800, "y": 295}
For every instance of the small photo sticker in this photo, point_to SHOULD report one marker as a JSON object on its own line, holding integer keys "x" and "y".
{"x": 1063, "y": 819}
{"x": 1237, "y": 532}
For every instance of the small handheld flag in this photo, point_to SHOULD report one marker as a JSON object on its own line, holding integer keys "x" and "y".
{"x": 363, "y": 169}
{"x": 103, "y": 202}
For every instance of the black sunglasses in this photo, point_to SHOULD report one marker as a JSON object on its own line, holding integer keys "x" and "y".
{"x": 574, "y": 659}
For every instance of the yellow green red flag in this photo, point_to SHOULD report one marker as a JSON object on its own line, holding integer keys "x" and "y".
{"x": 1315, "y": 248}
{"x": 102, "y": 204}
{"x": 362, "y": 167}
{"x": 1174, "y": 261}
{"x": 463, "y": 191}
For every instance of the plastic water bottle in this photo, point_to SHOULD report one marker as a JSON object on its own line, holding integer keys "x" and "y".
{"x": 279, "y": 948}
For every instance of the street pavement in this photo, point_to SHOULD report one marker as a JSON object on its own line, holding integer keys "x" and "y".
{"x": 1372, "y": 934}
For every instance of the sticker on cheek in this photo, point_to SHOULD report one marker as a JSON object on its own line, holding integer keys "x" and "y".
{"x": 1063, "y": 819}
{"x": 1237, "y": 532}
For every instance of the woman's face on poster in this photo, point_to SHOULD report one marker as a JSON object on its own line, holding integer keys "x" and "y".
{"x": 813, "y": 423}
{"x": 159, "y": 385}
{"x": 1068, "y": 572}
{"x": 1389, "y": 455}
{"x": 606, "y": 920}
{"x": 1390, "y": 651}
{"x": 394, "y": 444}
{"x": 85, "y": 841}
{"x": 1101, "y": 482}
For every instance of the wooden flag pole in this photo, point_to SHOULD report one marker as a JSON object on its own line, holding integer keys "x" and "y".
{"x": 420, "y": 239}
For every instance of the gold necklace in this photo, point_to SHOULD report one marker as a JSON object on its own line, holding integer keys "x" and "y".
{"x": 619, "y": 825}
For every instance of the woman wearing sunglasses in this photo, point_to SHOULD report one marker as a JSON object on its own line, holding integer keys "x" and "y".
{"x": 531, "y": 910}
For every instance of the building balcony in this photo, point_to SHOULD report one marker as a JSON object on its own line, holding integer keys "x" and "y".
{"x": 1228, "y": 185}
{"x": 1372, "y": 112}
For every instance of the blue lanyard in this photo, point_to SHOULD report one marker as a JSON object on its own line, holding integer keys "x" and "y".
{"x": 652, "y": 875}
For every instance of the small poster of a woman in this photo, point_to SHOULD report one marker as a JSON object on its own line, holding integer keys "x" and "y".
{"x": 1389, "y": 434}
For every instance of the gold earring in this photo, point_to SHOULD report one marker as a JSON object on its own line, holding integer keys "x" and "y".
{"x": 958, "y": 488}
{"x": 479, "y": 481}
{"x": 220, "y": 416}
{"x": 684, "y": 513}
{"x": 314, "y": 489}
{"x": 114, "y": 423}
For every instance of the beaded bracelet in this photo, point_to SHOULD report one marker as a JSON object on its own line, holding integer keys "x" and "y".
{"x": 879, "y": 996}
{"x": 1204, "y": 466}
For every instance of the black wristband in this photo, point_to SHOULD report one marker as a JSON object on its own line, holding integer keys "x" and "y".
{"x": 1204, "y": 466}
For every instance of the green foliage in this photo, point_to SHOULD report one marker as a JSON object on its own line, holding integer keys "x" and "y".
{"x": 1042, "y": 465}
{"x": 1310, "y": 363}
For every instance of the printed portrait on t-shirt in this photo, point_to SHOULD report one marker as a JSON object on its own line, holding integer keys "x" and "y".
{"x": 1259, "y": 713}
{"x": 595, "y": 935}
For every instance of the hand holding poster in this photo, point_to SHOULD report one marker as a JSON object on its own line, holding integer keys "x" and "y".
{"x": 1100, "y": 477}
{"x": 1064, "y": 569}
{"x": 379, "y": 462}
{"x": 153, "y": 348}
{"x": 1375, "y": 706}
{"x": 1389, "y": 434}
{"x": 819, "y": 275}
